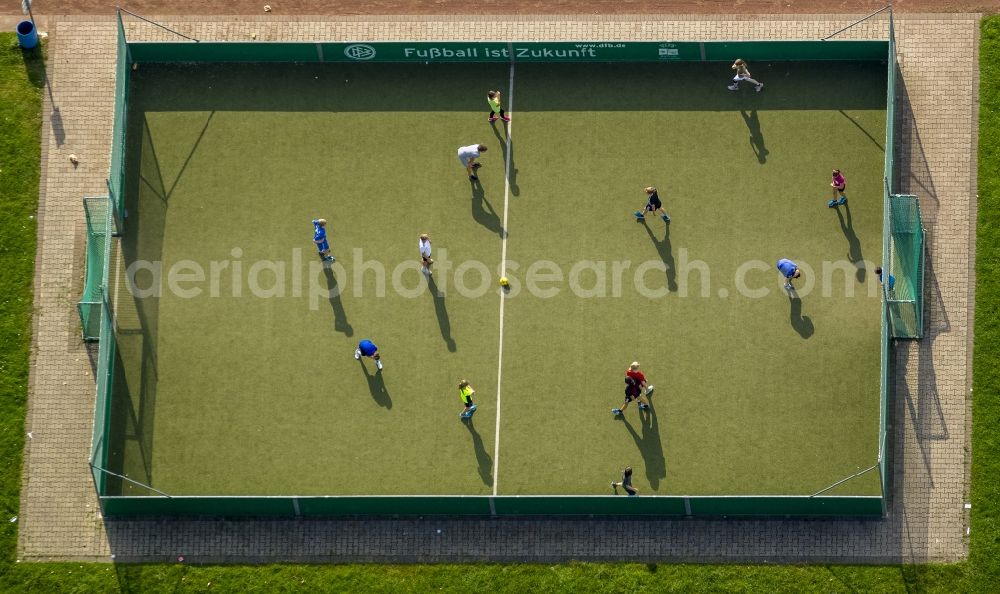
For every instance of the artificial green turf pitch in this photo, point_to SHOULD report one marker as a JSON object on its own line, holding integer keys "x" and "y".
{"x": 247, "y": 395}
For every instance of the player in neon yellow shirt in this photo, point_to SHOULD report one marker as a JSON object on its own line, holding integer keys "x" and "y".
{"x": 465, "y": 391}
{"x": 493, "y": 98}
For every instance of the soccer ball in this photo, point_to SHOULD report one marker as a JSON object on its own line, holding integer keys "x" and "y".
{"x": 503, "y": 281}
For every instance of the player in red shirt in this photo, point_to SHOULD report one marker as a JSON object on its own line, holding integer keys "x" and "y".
{"x": 635, "y": 381}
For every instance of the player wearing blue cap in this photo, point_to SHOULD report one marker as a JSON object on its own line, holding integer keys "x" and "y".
{"x": 368, "y": 349}
{"x": 789, "y": 270}
{"x": 319, "y": 238}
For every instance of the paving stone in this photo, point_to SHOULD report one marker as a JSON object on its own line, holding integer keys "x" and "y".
{"x": 936, "y": 143}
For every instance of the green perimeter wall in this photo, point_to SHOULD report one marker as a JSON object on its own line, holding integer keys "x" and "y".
{"x": 493, "y": 506}
{"x": 504, "y": 505}
{"x": 611, "y": 51}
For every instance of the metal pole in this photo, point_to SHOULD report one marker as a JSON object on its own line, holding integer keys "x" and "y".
{"x": 125, "y": 478}
{"x": 883, "y": 9}
{"x": 844, "y": 480}
{"x": 156, "y": 24}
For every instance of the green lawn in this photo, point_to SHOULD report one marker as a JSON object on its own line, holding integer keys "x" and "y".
{"x": 979, "y": 574}
{"x": 21, "y": 80}
{"x": 252, "y": 393}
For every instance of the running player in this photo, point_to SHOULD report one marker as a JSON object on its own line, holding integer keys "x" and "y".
{"x": 626, "y": 483}
{"x": 319, "y": 238}
{"x": 633, "y": 391}
{"x": 493, "y": 98}
{"x": 465, "y": 392}
{"x": 743, "y": 73}
{"x": 653, "y": 205}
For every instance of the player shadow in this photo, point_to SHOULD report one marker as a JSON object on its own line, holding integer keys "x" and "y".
{"x": 376, "y": 385}
{"x": 649, "y": 445}
{"x": 483, "y": 460}
{"x": 441, "y": 309}
{"x": 508, "y": 155}
{"x": 666, "y": 252}
{"x": 802, "y": 324}
{"x": 756, "y": 136}
{"x": 340, "y": 323}
{"x": 483, "y": 212}
{"x": 853, "y": 243}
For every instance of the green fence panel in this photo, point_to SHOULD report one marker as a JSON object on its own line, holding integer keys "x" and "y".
{"x": 795, "y": 50}
{"x": 786, "y": 506}
{"x": 584, "y": 506}
{"x": 198, "y": 506}
{"x": 102, "y": 402}
{"x": 116, "y": 172}
{"x": 906, "y": 265}
{"x": 404, "y": 506}
{"x": 491, "y": 51}
{"x": 492, "y": 506}
{"x": 229, "y": 51}
{"x": 95, "y": 212}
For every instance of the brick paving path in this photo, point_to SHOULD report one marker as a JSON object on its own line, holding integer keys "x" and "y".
{"x": 927, "y": 521}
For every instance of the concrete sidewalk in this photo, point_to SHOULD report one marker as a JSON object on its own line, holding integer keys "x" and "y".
{"x": 59, "y": 519}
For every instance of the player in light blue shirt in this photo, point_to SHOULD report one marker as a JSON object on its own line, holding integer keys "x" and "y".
{"x": 789, "y": 270}
{"x": 368, "y": 348}
{"x": 319, "y": 238}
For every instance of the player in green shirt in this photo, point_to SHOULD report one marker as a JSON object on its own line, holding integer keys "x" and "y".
{"x": 493, "y": 98}
{"x": 465, "y": 391}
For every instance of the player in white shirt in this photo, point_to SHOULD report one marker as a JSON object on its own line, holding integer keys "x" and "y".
{"x": 425, "y": 252}
{"x": 467, "y": 156}
{"x": 743, "y": 73}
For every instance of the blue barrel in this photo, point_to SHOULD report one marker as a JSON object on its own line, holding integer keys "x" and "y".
{"x": 27, "y": 36}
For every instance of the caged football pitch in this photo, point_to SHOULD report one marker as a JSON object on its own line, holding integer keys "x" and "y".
{"x": 229, "y": 385}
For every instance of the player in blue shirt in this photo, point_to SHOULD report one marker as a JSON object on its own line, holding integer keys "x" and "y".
{"x": 892, "y": 280}
{"x": 319, "y": 238}
{"x": 789, "y": 270}
{"x": 368, "y": 349}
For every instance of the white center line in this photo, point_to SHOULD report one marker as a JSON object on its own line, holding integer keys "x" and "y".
{"x": 503, "y": 272}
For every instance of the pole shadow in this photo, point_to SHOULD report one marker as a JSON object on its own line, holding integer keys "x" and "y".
{"x": 441, "y": 309}
{"x": 853, "y": 243}
{"x": 483, "y": 460}
{"x": 508, "y": 155}
{"x": 756, "y": 136}
{"x": 376, "y": 385}
{"x": 340, "y": 323}
{"x": 483, "y": 212}
{"x": 802, "y": 324}
{"x": 666, "y": 252}
{"x": 913, "y": 173}
{"x": 924, "y": 406}
{"x": 155, "y": 184}
{"x": 650, "y": 446}
{"x": 38, "y": 76}
{"x": 190, "y": 155}
{"x": 863, "y": 131}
